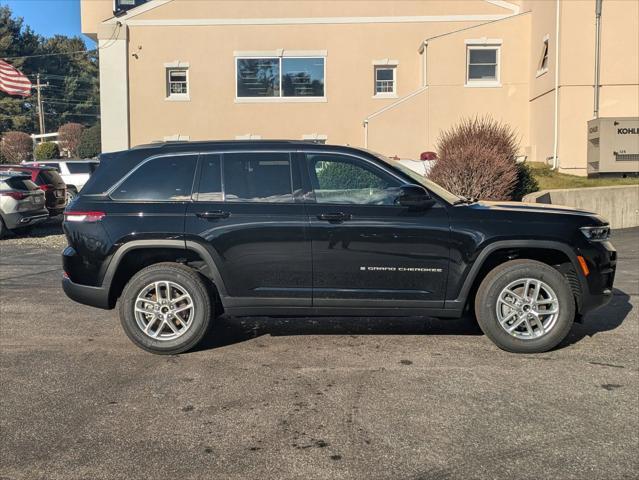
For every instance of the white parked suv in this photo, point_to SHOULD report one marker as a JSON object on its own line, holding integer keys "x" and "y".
{"x": 75, "y": 173}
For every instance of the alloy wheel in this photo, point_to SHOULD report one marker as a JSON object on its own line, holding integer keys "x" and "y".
{"x": 527, "y": 308}
{"x": 164, "y": 310}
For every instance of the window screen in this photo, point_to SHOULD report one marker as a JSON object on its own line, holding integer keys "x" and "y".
{"x": 160, "y": 179}
{"x": 384, "y": 80}
{"x": 258, "y": 177}
{"x": 210, "y": 188}
{"x": 482, "y": 64}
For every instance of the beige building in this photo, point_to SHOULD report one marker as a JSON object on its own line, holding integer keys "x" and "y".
{"x": 385, "y": 74}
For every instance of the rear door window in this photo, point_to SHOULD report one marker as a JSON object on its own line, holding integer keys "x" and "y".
{"x": 80, "y": 167}
{"x": 210, "y": 187}
{"x": 168, "y": 179}
{"x": 258, "y": 177}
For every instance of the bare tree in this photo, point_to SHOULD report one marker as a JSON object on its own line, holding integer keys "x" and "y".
{"x": 69, "y": 136}
{"x": 16, "y": 147}
{"x": 476, "y": 159}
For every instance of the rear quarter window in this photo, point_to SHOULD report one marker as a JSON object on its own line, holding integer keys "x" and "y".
{"x": 80, "y": 167}
{"x": 168, "y": 179}
{"x": 19, "y": 184}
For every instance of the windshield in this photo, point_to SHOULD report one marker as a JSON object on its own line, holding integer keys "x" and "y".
{"x": 421, "y": 180}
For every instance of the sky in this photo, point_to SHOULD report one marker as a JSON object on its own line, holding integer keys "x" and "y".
{"x": 50, "y": 17}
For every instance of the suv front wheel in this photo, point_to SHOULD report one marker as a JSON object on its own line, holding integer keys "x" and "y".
{"x": 166, "y": 308}
{"x": 525, "y": 306}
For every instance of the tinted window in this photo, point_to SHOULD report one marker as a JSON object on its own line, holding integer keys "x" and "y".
{"x": 81, "y": 167}
{"x": 53, "y": 165}
{"x": 258, "y": 77}
{"x": 303, "y": 77}
{"x": 50, "y": 177}
{"x": 210, "y": 188}
{"x": 160, "y": 179}
{"x": 19, "y": 183}
{"x": 345, "y": 180}
{"x": 258, "y": 177}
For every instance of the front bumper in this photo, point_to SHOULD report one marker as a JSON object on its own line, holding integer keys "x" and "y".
{"x": 93, "y": 296}
{"x": 601, "y": 259}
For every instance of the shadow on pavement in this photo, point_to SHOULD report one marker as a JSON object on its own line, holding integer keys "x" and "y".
{"x": 603, "y": 319}
{"x": 230, "y": 330}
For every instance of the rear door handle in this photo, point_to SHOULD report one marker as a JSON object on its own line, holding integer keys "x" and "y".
{"x": 334, "y": 216}
{"x": 214, "y": 214}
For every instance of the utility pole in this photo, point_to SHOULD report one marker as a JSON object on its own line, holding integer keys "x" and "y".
{"x": 39, "y": 86}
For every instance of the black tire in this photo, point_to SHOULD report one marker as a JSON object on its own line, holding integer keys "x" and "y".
{"x": 504, "y": 275}
{"x": 71, "y": 194}
{"x": 196, "y": 287}
{"x": 3, "y": 228}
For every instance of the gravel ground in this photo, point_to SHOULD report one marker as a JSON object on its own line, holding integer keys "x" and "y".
{"x": 47, "y": 234}
{"x": 307, "y": 398}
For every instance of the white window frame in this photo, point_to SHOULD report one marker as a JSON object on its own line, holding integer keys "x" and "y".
{"x": 484, "y": 44}
{"x": 177, "y": 97}
{"x": 280, "y": 55}
{"x": 387, "y": 64}
{"x": 545, "y": 53}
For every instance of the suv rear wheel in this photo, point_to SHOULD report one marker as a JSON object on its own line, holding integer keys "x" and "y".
{"x": 525, "y": 306}
{"x": 166, "y": 308}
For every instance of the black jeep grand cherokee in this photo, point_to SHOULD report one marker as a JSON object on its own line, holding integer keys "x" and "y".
{"x": 180, "y": 232}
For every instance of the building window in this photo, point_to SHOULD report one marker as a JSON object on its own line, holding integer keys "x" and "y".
{"x": 543, "y": 59}
{"x": 280, "y": 78}
{"x": 177, "y": 83}
{"x": 385, "y": 81}
{"x": 482, "y": 66}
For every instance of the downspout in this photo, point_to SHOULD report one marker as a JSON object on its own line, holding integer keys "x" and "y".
{"x": 555, "y": 160}
{"x": 595, "y": 113}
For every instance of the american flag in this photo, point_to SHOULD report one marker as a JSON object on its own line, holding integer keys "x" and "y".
{"x": 12, "y": 81}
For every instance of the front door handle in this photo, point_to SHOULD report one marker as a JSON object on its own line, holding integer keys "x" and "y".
{"x": 214, "y": 214}
{"x": 334, "y": 216}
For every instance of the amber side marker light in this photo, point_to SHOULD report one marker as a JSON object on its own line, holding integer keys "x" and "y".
{"x": 584, "y": 265}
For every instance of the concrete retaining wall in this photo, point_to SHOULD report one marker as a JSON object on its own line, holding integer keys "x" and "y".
{"x": 618, "y": 205}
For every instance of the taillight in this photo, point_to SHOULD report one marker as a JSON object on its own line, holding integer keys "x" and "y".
{"x": 46, "y": 188}
{"x": 86, "y": 217}
{"x": 14, "y": 195}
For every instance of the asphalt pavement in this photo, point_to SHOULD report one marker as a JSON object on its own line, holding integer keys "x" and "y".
{"x": 301, "y": 398}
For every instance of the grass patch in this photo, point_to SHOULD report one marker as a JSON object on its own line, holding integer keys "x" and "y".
{"x": 550, "y": 180}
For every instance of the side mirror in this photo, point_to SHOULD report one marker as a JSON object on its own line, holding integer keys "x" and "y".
{"x": 415, "y": 197}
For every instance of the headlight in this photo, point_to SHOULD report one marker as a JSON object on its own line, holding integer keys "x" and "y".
{"x": 596, "y": 234}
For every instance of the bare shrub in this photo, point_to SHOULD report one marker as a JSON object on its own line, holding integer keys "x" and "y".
{"x": 16, "y": 147}
{"x": 69, "y": 136}
{"x": 476, "y": 159}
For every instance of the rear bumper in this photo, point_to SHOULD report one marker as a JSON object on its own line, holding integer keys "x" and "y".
{"x": 93, "y": 296}
{"x": 24, "y": 219}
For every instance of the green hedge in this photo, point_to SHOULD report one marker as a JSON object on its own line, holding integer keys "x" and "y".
{"x": 46, "y": 151}
{"x": 90, "y": 144}
{"x": 343, "y": 176}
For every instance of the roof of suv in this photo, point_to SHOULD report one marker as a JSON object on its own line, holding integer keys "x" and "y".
{"x": 25, "y": 167}
{"x": 114, "y": 166}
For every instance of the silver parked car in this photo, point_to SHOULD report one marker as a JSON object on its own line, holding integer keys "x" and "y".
{"x": 22, "y": 203}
